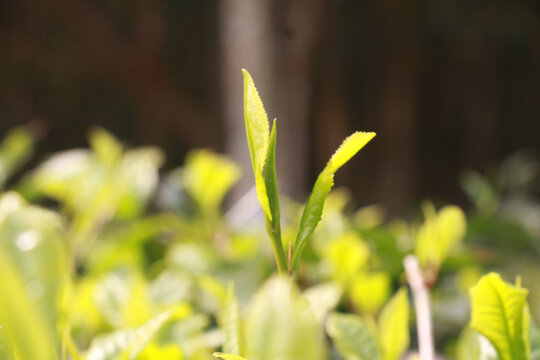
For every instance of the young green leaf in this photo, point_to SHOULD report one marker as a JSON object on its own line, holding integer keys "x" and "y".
{"x": 353, "y": 338}
{"x": 314, "y": 207}
{"x": 262, "y": 148}
{"x": 497, "y": 313}
{"x": 228, "y": 356}
{"x": 394, "y": 326}
{"x": 257, "y": 129}
{"x": 270, "y": 179}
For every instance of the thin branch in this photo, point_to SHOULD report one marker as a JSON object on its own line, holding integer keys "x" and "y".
{"x": 422, "y": 307}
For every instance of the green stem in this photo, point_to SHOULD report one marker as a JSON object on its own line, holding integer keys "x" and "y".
{"x": 274, "y": 232}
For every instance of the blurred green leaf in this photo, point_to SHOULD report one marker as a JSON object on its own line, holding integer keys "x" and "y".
{"x": 314, "y": 207}
{"x": 15, "y": 150}
{"x": 439, "y": 234}
{"x": 127, "y": 344}
{"x": 535, "y": 341}
{"x": 497, "y": 313}
{"x": 232, "y": 337}
{"x": 394, "y": 326}
{"x": 279, "y": 324}
{"x": 32, "y": 267}
{"x": 228, "y": 356}
{"x": 323, "y": 298}
{"x": 352, "y": 337}
{"x": 369, "y": 291}
{"x": 207, "y": 177}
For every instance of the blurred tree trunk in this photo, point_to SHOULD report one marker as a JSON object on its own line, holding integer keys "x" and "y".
{"x": 247, "y": 42}
{"x": 299, "y": 37}
{"x": 400, "y": 46}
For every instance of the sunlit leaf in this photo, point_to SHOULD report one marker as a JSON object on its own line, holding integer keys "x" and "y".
{"x": 280, "y": 325}
{"x": 497, "y": 313}
{"x": 394, "y": 326}
{"x": 352, "y": 336}
{"x": 314, "y": 207}
{"x": 258, "y": 131}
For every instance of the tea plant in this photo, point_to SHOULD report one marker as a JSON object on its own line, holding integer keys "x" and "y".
{"x": 262, "y": 148}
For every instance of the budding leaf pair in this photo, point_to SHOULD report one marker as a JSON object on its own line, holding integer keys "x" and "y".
{"x": 262, "y": 147}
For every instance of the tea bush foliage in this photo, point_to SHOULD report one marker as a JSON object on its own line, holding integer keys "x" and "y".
{"x": 104, "y": 257}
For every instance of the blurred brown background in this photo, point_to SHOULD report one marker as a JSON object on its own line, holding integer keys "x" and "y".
{"x": 446, "y": 84}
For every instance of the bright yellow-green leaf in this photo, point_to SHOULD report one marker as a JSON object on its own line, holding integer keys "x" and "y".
{"x": 497, "y": 313}
{"x": 257, "y": 129}
{"x": 394, "y": 326}
{"x": 369, "y": 291}
{"x": 347, "y": 255}
{"x": 228, "y": 356}
{"x": 348, "y": 149}
{"x": 314, "y": 207}
{"x": 280, "y": 325}
{"x": 207, "y": 177}
{"x": 353, "y": 337}
{"x": 439, "y": 234}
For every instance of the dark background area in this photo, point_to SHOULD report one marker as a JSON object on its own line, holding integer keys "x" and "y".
{"x": 447, "y": 85}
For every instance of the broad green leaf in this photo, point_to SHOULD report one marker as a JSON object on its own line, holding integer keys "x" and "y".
{"x": 230, "y": 323}
{"x": 439, "y": 234}
{"x": 314, "y": 207}
{"x": 228, "y": 356}
{"x": 280, "y": 325}
{"x": 33, "y": 267}
{"x": 352, "y": 336}
{"x": 257, "y": 129}
{"x": 496, "y": 313}
{"x": 394, "y": 326}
